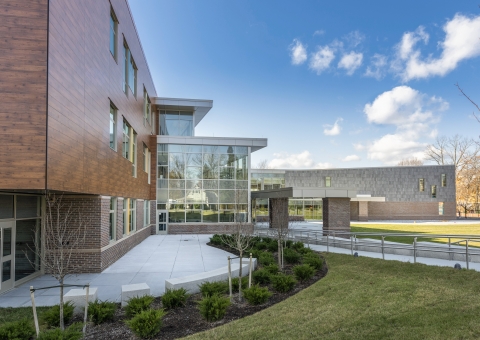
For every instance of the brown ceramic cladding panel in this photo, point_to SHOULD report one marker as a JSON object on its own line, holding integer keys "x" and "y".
{"x": 23, "y": 70}
{"x": 83, "y": 78}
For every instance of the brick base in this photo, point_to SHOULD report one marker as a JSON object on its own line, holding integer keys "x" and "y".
{"x": 292, "y": 218}
{"x": 336, "y": 214}
{"x": 200, "y": 228}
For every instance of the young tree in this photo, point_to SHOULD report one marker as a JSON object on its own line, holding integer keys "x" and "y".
{"x": 278, "y": 225}
{"x": 263, "y": 164}
{"x": 241, "y": 236}
{"x": 64, "y": 231}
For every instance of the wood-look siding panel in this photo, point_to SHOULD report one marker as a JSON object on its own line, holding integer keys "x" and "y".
{"x": 83, "y": 79}
{"x": 23, "y": 89}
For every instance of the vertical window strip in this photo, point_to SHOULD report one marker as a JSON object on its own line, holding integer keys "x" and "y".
{"x": 113, "y": 33}
{"x": 113, "y": 128}
{"x": 126, "y": 216}
{"x": 444, "y": 180}
{"x": 125, "y": 67}
{"x": 113, "y": 218}
{"x": 421, "y": 184}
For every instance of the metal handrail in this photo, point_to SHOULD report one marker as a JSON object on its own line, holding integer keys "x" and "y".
{"x": 345, "y": 237}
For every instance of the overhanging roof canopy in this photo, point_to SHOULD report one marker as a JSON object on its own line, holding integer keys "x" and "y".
{"x": 199, "y": 107}
{"x": 304, "y": 192}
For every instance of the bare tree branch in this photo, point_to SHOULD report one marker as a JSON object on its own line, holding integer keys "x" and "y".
{"x": 471, "y": 101}
{"x": 410, "y": 162}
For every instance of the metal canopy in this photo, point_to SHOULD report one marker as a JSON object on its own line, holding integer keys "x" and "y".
{"x": 302, "y": 192}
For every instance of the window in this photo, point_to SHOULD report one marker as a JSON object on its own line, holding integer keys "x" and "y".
{"x": 129, "y": 146}
{"x": 440, "y": 208}
{"x": 147, "y": 108}
{"x": 146, "y": 161}
{"x": 176, "y": 123}
{"x": 129, "y": 71}
{"x": 113, "y": 34}
{"x": 129, "y": 215}
{"x": 444, "y": 180}
{"x": 421, "y": 184}
{"x": 113, "y": 218}
{"x": 328, "y": 182}
{"x": 434, "y": 191}
{"x": 113, "y": 127}
{"x": 146, "y": 212}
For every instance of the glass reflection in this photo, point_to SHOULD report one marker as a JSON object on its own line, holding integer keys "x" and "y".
{"x": 176, "y": 123}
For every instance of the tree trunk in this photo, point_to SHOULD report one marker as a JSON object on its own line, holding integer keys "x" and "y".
{"x": 240, "y": 279}
{"x": 62, "y": 325}
{"x": 280, "y": 253}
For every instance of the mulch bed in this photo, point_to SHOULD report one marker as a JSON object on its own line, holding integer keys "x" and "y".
{"x": 181, "y": 322}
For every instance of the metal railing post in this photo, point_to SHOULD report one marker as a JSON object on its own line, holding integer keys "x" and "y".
{"x": 466, "y": 253}
{"x": 383, "y": 252}
{"x": 333, "y": 239}
{"x": 414, "y": 250}
{"x": 351, "y": 244}
{"x": 328, "y": 243}
{"x": 450, "y": 255}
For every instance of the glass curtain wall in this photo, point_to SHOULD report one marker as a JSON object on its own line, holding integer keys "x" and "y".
{"x": 202, "y": 184}
{"x": 267, "y": 181}
{"x": 176, "y": 123}
{"x": 309, "y": 208}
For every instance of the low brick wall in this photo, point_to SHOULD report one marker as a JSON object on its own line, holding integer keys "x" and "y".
{"x": 202, "y": 228}
{"x": 410, "y": 211}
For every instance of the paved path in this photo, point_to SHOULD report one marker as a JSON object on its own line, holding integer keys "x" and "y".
{"x": 157, "y": 258}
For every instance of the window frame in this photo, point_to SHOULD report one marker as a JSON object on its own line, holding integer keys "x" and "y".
{"x": 147, "y": 161}
{"x": 133, "y": 215}
{"x": 443, "y": 180}
{"x": 421, "y": 184}
{"x": 147, "y": 108}
{"x": 146, "y": 213}
{"x": 113, "y": 18}
{"x": 113, "y": 219}
{"x": 113, "y": 112}
{"x": 129, "y": 145}
{"x": 328, "y": 181}
{"x": 126, "y": 218}
{"x": 433, "y": 191}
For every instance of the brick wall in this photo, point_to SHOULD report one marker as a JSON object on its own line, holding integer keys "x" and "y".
{"x": 353, "y": 211}
{"x": 336, "y": 214}
{"x": 409, "y": 211}
{"x": 201, "y": 228}
{"x": 291, "y": 218}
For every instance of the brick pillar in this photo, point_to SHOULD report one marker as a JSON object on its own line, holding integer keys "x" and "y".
{"x": 363, "y": 211}
{"x": 278, "y": 213}
{"x": 336, "y": 214}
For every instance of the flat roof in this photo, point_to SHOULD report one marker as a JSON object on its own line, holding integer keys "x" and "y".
{"x": 255, "y": 143}
{"x": 299, "y": 192}
{"x": 199, "y": 107}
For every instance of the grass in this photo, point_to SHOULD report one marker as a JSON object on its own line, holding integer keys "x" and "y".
{"x": 451, "y": 229}
{"x": 366, "y": 298}
{"x": 15, "y": 314}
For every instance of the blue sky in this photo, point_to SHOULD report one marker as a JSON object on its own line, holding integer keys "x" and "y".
{"x": 329, "y": 83}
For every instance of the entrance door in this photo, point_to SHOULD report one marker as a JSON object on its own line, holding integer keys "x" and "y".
{"x": 162, "y": 221}
{"x": 7, "y": 242}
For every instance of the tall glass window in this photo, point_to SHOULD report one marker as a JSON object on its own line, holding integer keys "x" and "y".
{"x": 328, "y": 182}
{"x": 176, "y": 123}
{"x": 206, "y": 184}
{"x": 434, "y": 191}
{"x": 444, "y": 180}
{"x": 113, "y": 218}
{"x": 113, "y": 127}
{"x": 130, "y": 146}
{"x": 129, "y": 71}
{"x": 421, "y": 184}
{"x": 147, "y": 108}
{"x": 129, "y": 215}
{"x": 113, "y": 34}
{"x": 146, "y": 212}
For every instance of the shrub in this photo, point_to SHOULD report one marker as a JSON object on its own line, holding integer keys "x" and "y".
{"x": 146, "y": 324}
{"x": 214, "y": 307}
{"x": 138, "y": 304}
{"x": 52, "y": 316}
{"x": 303, "y": 272}
{"x": 272, "y": 269}
{"x": 261, "y": 276}
{"x": 291, "y": 256}
{"x": 74, "y": 332}
{"x": 313, "y": 260}
{"x": 212, "y": 288}
{"x": 305, "y": 251}
{"x": 283, "y": 283}
{"x": 174, "y": 298}
{"x": 261, "y": 246}
{"x": 255, "y": 252}
{"x": 266, "y": 259}
{"x": 289, "y": 244}
{"x": 18, "y": 330}
{"x": 235, "y": 283}
{"x": 272, "y": 246}
{"x": 297, "y": 245}
{"x": 101, "y": 311}
{"x": 216, "y": 239}
{"x": 256, "y": 295}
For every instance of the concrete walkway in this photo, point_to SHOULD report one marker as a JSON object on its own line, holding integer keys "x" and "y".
{"x": 157, "y": 258}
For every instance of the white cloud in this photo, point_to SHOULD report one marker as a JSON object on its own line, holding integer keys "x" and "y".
{"x": 333, "y": 130}
{"x": 320, "y": 60}
{"x": 298, "y": 52}
{"x": 319, "y": 32}
{"x": 377, "y": 66}
{"x": 350, "y": 62}
{"x": 325, "y": 165}
{"x": 292, "y": 161}
{"x": 412, "y": 113}
{"x": 351, "y": 158}
{"x": 461, "y": 42}
{"x": 358, "y": 146}
{"x": 354, "y": 38}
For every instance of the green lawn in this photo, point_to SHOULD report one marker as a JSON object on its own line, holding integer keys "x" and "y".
{"x": 465, "y": 229}
{"x": 365, "y": 298}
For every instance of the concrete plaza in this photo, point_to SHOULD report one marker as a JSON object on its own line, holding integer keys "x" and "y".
{"x": 156, "y": 259}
